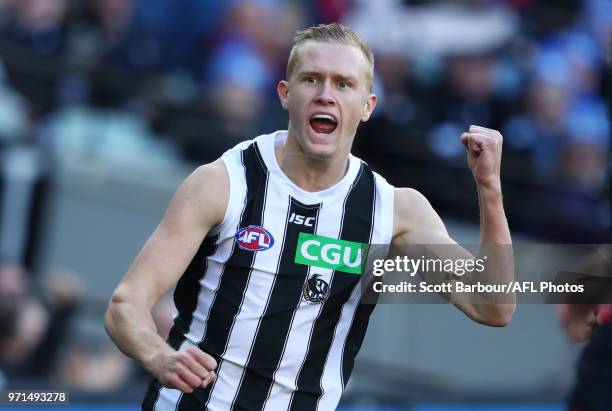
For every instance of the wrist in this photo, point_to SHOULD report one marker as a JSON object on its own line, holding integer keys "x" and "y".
{"x": 492, "y": 186}
{"x": 151, "y": 360}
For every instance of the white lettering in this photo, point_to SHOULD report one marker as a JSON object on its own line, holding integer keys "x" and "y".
{"x": 252, "y": 236}
{"x": 304, "y": 249}
{"x": 331, "y": 257}
{"x": 347, "y": 258}
{"x": 301, "y": 220}
{"x": 262, "y": 240}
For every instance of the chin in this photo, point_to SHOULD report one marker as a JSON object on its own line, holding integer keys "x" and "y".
{"x": 320, "y": 151}
{"x": 321, "y": 155}
{"x": 316, "y": 152}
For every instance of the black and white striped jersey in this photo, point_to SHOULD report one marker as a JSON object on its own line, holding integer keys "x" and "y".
{"x": 273, "y": 292}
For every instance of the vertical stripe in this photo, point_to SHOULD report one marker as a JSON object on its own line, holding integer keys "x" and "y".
{"x": 230, "y": 293}
{"x": 359, "y": 325}
{"x": 332, "y": 381}
{"x": 356, "y": 226}
{"x": 257, "y": 297}
{"x": 329, "y": 222}
{"x": 185, "y": 298}
{"x": 285, "y": 298}
{"x": 188, "y": 287}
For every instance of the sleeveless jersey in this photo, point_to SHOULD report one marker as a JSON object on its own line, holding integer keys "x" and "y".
{"x": 273, "y": 292}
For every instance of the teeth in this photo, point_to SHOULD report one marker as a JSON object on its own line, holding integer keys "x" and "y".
{"x": 324, "y": 117}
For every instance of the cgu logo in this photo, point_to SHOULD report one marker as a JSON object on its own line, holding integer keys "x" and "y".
{"x": 327, "y": 252}
{"x": 254, "y": 238}
{"x": 301, "y": 220}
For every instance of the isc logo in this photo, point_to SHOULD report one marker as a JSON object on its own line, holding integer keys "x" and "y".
{"x": 254, "y": 238}
{"x": 301, "y": 220}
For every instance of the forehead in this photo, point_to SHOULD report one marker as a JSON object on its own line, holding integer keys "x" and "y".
{"x": 337, "y": 58}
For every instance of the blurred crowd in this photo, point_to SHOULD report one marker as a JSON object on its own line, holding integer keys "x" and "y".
{"x": 147, "y": 83}
{"x": 142, "y": 82}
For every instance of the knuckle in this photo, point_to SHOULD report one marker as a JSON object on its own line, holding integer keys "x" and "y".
{"x": 181, "y": 370}
{"x": 183, "y": 358}
{"x": 191, "y": 380}
{"x": 173, "y": 381}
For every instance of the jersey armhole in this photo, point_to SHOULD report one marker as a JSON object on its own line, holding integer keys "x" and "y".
{"x": 387, "y": 204}
{"x": 234, "y": 193}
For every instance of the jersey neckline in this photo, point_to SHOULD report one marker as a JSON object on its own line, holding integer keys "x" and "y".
{"x": 267, "y": 144}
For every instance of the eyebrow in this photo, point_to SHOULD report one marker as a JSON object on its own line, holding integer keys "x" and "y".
{"x": 335, "y": 75}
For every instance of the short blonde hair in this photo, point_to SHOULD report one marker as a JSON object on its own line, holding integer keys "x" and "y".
{"x": 330, "y": 33}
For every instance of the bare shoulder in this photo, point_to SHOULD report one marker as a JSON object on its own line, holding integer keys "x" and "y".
{"x": 210, "y": 177}
{"x": 412, "y": 211}
{"x": 409, "y": 204}
{"x": 406, "y": 198}
{"x": 203, "y": 195}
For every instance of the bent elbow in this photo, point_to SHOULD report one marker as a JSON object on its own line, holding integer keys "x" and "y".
{"x": 500, "y": 315}
{"x": 108, "y": 316}
{"x": 114, "y": 304}
{"x": 496, "y": 315}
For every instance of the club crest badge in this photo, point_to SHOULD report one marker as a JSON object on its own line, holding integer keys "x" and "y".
{"x": 315, "y": 290}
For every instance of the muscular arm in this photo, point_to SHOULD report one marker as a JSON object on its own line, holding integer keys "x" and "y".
{"x": 416, "y": 222}
{"x": 198, "y": 205}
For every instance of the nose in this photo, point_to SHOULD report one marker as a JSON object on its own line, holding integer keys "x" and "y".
{"x": 325, "y": 95}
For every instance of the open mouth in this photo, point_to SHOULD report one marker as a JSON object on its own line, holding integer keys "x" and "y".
{"x": 323, "y": 123}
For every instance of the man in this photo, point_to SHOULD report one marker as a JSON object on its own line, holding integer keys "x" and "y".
{"x": 593, "y": 323}
{"x": 266, "y": 245}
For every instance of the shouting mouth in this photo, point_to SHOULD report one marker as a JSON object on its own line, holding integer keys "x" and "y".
{"x": 323, "y": 123}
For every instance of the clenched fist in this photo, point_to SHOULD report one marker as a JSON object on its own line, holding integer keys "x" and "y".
{"x": 484, "y": 149}
{"x": 185, "y": 370}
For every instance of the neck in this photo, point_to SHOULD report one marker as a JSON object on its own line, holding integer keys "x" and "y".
{"x": 310, "y": 174}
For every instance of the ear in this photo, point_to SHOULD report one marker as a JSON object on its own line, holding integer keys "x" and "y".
{"x": 368, "y": 107}
{"x": 282, "y": 88}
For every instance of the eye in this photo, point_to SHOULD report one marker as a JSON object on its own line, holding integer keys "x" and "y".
{"x": 342, "y": 84}
{"x": 310, "y": 81}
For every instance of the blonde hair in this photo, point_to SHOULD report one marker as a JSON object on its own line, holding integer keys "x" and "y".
{"x": 329, "y": 33}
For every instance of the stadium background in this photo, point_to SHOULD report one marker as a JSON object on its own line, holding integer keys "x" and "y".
{"x": 106, "y": 105}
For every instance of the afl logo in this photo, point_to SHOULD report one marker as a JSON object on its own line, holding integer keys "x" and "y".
{"x": 315, "y": 290}
{"x": 254, "y": 238}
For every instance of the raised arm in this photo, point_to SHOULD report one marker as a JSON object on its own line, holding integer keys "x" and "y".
{"x": 198, "y": 205}
{"x": 417, "y": 223}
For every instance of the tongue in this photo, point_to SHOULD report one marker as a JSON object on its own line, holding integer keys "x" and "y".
{"x": 322, "y": 126}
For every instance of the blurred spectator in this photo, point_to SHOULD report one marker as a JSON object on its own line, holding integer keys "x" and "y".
{"x": 23, "y": 179}
{"x": 109, "y": 33}
{"x": 592, "y": 321}
{"x": 38, "y": 24}
{"x": 240, "y": 77}
{"x": 6, "y": 10}
{"x": 466, "y": 96}
{"x": 93, "y": 367}
{"x": 33, "y": 330}
{"x": 14, "y": 121}
{"x": 184, "y": 28}
{"x": 585, "y": 157}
